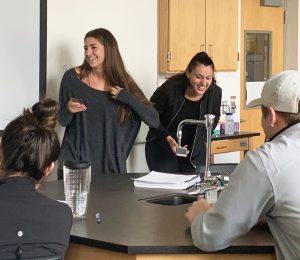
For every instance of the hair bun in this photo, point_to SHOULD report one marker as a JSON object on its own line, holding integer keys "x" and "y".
{"x": 45, "y": 112}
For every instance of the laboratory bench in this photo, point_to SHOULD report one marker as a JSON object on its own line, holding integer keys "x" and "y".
{"x": 130, "y": 227}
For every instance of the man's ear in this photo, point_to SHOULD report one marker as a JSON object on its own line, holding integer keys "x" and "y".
{"x": 273, "y": 117}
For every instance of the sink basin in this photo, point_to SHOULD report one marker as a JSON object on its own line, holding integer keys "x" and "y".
{"x": 173, "y": 200}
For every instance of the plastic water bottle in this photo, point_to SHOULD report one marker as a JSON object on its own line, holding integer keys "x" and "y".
{"x": 77, "y": 178}
{"x": 229, "y": 124}
{"x": 77, "y": 203}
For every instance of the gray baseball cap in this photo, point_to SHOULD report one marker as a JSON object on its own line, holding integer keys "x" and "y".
{"x": 281, "y": 92}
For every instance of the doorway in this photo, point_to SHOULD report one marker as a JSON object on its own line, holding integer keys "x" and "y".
{"x": 261, "y": 27}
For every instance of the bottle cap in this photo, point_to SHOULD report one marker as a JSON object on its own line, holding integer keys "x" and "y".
{"x": 77, "y": 164}
{"x": 229, "y": 114}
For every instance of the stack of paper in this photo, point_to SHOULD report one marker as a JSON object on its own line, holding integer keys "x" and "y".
{"x": 166, "y": 180}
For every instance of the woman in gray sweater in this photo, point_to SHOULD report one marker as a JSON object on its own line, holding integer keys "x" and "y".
{"x": 101, "y": 107}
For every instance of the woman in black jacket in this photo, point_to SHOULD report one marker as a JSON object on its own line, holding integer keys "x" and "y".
{"x": 187, "y": 95}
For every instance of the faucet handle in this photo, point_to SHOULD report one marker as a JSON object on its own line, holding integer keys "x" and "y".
{"x": 182, "y": 151}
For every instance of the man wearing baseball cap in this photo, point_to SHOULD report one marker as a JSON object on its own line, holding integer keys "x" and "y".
{"x": 266, "y": 183}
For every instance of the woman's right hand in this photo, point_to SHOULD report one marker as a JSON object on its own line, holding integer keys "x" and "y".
{"x": 75, "y": 105}
{"x": 173, "y": 144}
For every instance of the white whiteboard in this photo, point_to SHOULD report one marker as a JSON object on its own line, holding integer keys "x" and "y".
{"x": 19, "y": 57}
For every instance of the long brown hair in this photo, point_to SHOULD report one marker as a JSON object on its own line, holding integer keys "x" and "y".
{"x": 114, "y": 69}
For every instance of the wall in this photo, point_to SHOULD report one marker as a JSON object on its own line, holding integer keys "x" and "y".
{"x": 136, "y": 32}
{"x": 19, "y": 62}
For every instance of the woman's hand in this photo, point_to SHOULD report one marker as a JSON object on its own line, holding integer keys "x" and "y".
{"x": 114, "y": 91}
{"x": 173, "y": 144}
{"x": 76, "y": 105}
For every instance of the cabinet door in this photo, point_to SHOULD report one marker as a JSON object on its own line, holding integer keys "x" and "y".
{"x": 222, "y": 33}
{"x": 186, "y": 32}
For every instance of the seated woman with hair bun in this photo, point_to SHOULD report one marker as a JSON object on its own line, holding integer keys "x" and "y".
{"x": 31, "y": 225}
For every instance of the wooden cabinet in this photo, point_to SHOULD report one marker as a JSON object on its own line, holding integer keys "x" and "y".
{"x": 230, "y": 145}
{"x": 190, "y": 26}
{"x": 240, "y": 142}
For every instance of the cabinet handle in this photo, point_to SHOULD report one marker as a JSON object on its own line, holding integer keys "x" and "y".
{"x": 210, "y": 50}
{"x": 221, "y": 147}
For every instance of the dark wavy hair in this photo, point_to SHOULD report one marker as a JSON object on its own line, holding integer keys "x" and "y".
{"x": 199, "y": 58}
{"x": 114, "y": 69}
{"x": 29, "y": 142}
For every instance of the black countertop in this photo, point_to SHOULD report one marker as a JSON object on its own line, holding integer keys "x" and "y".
{"x": 131, "y": 225}
{"x": 234, "y": 136}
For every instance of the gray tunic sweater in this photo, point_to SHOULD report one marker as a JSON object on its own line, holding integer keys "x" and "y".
{"x": 96, "y": 134}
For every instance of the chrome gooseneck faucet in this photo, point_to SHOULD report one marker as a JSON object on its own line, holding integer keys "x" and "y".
{"x": 183, "y": 151}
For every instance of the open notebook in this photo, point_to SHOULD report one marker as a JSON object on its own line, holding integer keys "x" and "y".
{"x": 166, "y": 180}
